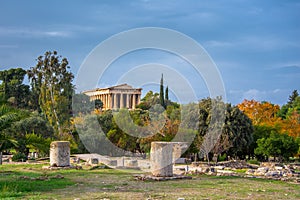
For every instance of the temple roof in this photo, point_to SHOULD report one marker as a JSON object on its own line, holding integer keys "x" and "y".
{"x": 124, "y": 86}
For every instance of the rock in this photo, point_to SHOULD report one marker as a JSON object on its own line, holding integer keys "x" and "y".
{"x": 267, "y": 164}
{"x": 219, "y": 167}
{"x": 250, "y": 171}
{"x": 272, "y": 173}
{"x": 93, "y": 161}
{"x": 263, "y": 169}
{"x": 58, "y": 176}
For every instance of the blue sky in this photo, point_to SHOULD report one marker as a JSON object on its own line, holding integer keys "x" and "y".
{"x": 255, "y": 44}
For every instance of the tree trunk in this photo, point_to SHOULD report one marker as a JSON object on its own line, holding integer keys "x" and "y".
{"x": 207, "y": 157}
{"x": 0, "y": 157}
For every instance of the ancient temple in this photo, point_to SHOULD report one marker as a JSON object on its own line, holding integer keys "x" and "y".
{"x": 115, "y": 97}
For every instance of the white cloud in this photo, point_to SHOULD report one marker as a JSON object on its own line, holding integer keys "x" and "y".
{"x": 254, "y": 94}
{"x": 215, "y": 43}
{"x": 28, "y": 32}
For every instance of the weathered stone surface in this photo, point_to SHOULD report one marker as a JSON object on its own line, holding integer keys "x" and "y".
{"x": 178, "y": 149}
{"x": 93, "y": 161}
{"x": 112, "y": 163}
{"x": 250, "y": 171}
{"x": 161, "y": 159}
{"x": 233, "y": 164}
{"x": 60, "y": 154}
{"x": 131, "y": 163}
{"x": 155, "y": 178}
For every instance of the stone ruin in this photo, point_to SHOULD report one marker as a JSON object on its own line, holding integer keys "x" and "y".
{"x": 60, "y": 154}
{"x": 276, "y": 171}
{"x": 266, "y": 170}
{"x": 162, "y": 157}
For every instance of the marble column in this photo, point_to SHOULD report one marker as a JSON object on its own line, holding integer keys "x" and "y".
{"x": 133, "y": 101}
{"x": 108, "y": 102}
{"x": 101, "y": 97}
{"x": 139, "y": 99}
{"x": 115, "y": 101}
{"x": 121, "y": 101}
{"x": 127, "y": 101}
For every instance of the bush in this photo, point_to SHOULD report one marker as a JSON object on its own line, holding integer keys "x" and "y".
{"x": 254, "y": 162}
{"x": 222, "y": 157}
{"x": 17, "y": 157}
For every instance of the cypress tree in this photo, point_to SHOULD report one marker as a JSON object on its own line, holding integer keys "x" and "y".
{"x": 161, "y": 92}
{"x": 292, "y": 98}
{"x": 167, "y": 93}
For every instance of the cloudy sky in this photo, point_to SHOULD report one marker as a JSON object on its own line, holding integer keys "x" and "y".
{"x": 254, "y": 44}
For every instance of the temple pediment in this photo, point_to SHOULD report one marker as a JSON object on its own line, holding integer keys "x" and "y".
{"x": 120, "y": 87}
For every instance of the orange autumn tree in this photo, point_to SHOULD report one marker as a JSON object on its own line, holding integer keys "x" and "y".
{"x": 265, "y": 114}
{"x": 291, "y": 125}
{"x": 261, "y": 113}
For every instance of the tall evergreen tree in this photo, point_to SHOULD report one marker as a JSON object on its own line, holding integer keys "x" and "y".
{"x": 292, "y": 97}
{"x": 283, "y": 112}
{"x": 161, "y": 92}
{"x": 167, "y": 93}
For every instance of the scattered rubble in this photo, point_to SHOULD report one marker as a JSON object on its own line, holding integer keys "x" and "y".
{"x": 275, "y": 171}
{"x": 41, "y": 178}
{"x": 58, "y": 168}
{"x": 267, "y": 170}
{"x": 142, "y": 177}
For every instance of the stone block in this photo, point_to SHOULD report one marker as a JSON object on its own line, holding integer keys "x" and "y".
{"x": 131, "y": 163}
{"x": 112, "y": 163}
{"x": 161, "y": 158}
{"x": 60, "y": 154}
{"x": 93, "y": 161}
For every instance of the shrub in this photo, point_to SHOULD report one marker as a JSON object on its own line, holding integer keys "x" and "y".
{"x": 17, "y": 157}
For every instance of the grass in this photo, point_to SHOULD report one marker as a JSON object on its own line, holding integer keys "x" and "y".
{"x": 116, "y": 184}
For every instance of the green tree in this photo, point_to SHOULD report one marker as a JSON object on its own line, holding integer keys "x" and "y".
{"x": 260, "y": 131}
{"x": 290, "y": 106}
{"x": 31, "y": 124}
{"x": 51, "y": 83}
{"x": 149, "y": 100}
{"x": 231, "y": 134}
{"x": 12, "y": 89}
{"x": 239, "y": 130}
{"x": 293, "y": 97}
{"x": 38, "y": 143}
{"x": 167, "y": 93}
{"x": 161, "y": 92}
{"x": 278, "y": 145}
{"x": 8, "y": 115}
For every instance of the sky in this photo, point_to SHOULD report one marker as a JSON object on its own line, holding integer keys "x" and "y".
{"x": 255, "y": 45}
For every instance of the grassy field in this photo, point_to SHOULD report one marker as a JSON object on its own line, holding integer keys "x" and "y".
{"x": 31, "y": 182}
